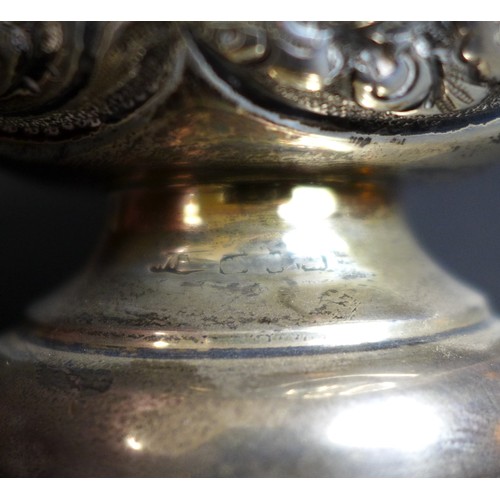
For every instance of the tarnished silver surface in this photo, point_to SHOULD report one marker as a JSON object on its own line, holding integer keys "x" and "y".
{"x": 208, "y": 267}
{"x": 343, "y": 69}
{"x": 429, "y": 409}
{"x": 257, "y": 306}
{"x": 138, "y": 101}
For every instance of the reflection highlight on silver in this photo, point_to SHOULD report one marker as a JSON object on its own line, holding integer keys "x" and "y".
{"x": 133, "y": 443}
{"x": 311, "y": 233}
{"x": 191, "y": 212}
{"x": 397, "y": 423}
{"x": 344, "y": 385}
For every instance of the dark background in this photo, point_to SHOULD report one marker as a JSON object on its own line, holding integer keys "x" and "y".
{"x": 47, "y": 232}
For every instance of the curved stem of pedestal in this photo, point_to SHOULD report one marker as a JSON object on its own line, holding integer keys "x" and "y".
{"x": 222, "y": 268}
